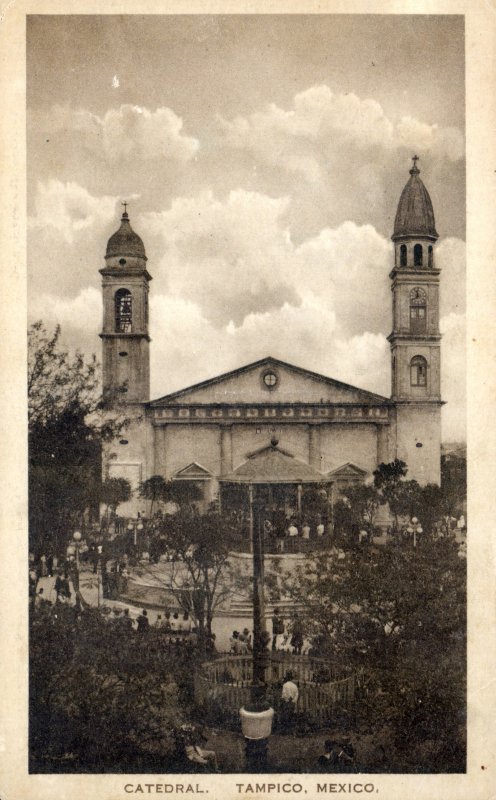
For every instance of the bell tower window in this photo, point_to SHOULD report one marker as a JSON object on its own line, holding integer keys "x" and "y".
{"x": 418, "y": 371}
{"x": 403, "y": 255}
{"x": 418, "y": 255}
{"x": 123, "y": 311}
{"x": 431, "y": 256}
{"x": 418, "y": 310}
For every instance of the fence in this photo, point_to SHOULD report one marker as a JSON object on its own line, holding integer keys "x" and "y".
{"x": 323, "y": 687}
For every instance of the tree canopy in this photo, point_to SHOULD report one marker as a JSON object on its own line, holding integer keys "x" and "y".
{"x": 68, "y": 421}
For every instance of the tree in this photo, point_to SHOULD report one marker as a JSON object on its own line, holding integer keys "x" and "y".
{"x": 99, "y": 699}
{"x": 387, "y": 479}
{"x": 398, "y": 615}
{"x": 158, "y": 490}
{"x": 113, "y": 492}
{"x": 198, "y": 570}
{"x": 154, "y": 489}
{"x": 364, "y": 502}
{"x": 68, "y": 421}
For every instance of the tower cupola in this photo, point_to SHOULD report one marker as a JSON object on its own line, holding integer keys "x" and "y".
{"x": 125, "y": 242}
{"x": 415, "y": 232}
{"x": 415, "y": 215}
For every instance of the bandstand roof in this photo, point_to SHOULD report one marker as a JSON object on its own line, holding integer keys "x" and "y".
{"x": 273, "y": 465}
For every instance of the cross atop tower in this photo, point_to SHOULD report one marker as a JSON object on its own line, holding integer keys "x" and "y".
{"x": 415, "y": 159}
{"x": 414, "y": 170}
{"x": 125, "y": 209}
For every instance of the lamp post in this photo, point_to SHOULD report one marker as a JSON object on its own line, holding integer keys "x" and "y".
{"x": 73, "y": 558}
{"x": 415, "y": 528}
{"x": 77, "y": 542}
{"x": 256, "y": 721}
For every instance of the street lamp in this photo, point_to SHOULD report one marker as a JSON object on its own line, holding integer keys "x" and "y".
{"x": 77, "y": 542}
{"x": 256, "y": 722}
{"x": 415, "y": 529}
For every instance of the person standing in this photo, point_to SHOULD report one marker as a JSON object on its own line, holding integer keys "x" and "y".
{"x": 43, "y": 565}
{"x": 297, "y": 635}
{"x": 143, "y": 622}
{"x": 277, "y": 627}
{"x": 289, "y": 699}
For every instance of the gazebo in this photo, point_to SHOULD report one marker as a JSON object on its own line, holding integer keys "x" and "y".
{"x": 274, "y": 481}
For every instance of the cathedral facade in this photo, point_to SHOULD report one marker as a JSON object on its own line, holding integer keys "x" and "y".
{"x": 270, "y": 422}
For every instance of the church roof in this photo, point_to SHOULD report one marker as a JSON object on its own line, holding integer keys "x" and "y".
{"x": 272, "y": 464}
{"x": 415, "y": 215}
{"x": 344, "y": 391}
{"x": 125, "y": 242}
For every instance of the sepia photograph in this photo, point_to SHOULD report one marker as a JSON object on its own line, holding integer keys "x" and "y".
{"x": 246, "y": 380}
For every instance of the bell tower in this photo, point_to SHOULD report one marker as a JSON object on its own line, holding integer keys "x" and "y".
{"x": 415, "y": 339}
{"x": 125, "y": 339}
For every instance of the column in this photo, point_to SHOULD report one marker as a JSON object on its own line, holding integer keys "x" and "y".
{"x": 226, "y": 464}
{"x": 160, "y": 450}
{"x": 314, "y": 446}
{"x": 382, "y": 444}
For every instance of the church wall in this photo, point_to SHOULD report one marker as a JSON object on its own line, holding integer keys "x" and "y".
{"x": 248, "y": 438}
{"x": 344, "y": 443}
{"x": 129, "y": 456}
{"x": 419, "y": 425}
{"x": 187, "y": 443}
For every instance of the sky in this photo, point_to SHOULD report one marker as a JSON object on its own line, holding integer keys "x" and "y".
{"x": 262, "y": 158}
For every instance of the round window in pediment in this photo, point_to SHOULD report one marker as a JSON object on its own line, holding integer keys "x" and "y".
{"x": 270, "y": 379}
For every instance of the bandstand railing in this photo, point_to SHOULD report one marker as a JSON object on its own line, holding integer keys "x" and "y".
{"x": 296, "y": 544}
{"x": 323, "y": 687}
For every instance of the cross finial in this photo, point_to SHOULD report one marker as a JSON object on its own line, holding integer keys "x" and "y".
{"x": 125, "y": 209}
{"x": 414, "y": 170}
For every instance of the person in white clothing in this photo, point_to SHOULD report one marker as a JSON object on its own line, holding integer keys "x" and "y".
{"x": 290, "y": 691}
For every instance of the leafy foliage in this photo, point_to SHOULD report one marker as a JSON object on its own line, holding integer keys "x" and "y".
{"x": 198, "y": 548}
{"x": 102, "y": 698}
{"x": 398, "y": 615}
{"x": 68, "y": 422}
{"x": 158, "y": 490}
{"x": 115, "y": 491}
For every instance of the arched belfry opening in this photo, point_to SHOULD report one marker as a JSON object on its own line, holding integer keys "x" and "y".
{"x": 418, "y": 255}
{"x": 123, "y": 311}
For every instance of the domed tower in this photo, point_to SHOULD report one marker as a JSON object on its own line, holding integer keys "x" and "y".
{"x": 125, "y": 339}
{"x": 415, "y": 338}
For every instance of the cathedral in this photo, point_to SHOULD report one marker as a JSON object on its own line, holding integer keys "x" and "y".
{"x": 270, "y": 423}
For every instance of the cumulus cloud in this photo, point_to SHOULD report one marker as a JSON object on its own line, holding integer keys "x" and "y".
{"x": 129, "y": 131}
{"x": 70, "y": 209}
{"x": 235, "y": 257}
{"x": 320, "y": 124}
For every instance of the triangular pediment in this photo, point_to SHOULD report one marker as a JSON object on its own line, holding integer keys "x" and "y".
{"x": 270, "y": 381}
{"x": 193, "y": 472}
{"x": 347, "y": 471}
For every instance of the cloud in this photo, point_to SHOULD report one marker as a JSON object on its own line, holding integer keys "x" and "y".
{"x": 321, "y": 125}
{"x": 235, "y": 257}
{"x": 124, "y": 133}
{"x": 69, "y": 209}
